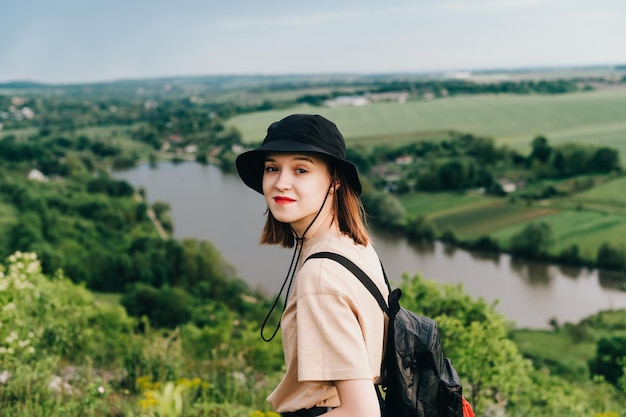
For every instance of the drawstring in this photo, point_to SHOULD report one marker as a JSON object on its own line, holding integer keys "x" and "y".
{"x": 291, "y": 272}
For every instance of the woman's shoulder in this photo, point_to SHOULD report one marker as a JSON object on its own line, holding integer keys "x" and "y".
{"x": 322, "y": 274}
{"x": 337, "y": 242}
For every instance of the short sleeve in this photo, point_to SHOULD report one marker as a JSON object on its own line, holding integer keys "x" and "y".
{"x": 330, "y": 339}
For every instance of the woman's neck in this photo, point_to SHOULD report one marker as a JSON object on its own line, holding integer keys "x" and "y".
{"x": 324, "y": 222}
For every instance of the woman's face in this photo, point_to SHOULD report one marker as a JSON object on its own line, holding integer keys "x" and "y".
{"x": 294, "y": 186}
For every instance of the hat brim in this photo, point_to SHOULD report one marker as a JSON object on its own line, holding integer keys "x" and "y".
{"x": 250, "y": 163}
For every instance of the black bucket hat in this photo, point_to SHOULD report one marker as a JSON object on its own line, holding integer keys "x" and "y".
{"x": 298, "y": 133}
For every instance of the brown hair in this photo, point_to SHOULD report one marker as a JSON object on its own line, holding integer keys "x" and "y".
{"x": 347, "y": 210}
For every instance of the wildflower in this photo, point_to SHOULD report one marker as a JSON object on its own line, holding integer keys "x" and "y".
{"x": 101, "y": 389}
{"x": 57, "y": 384}
{"x": 12, "y": 336}
{"x": 240, "y": 377}
{"x": 148, "y": 400}
{"x": 144, "y": 383}
{"x": 4, "y": 377}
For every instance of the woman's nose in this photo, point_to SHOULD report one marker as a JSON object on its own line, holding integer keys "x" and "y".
{"x": 283, "y": 180}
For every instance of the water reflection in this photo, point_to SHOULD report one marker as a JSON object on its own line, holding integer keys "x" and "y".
{"x": 426, "y": 248}
{"x": 535, "y": 273}
{"x": 570, "y": 271}
{"x": 449, "y": 250}
{"x": 613, "y": 280}
{"x": 486, "y": 256}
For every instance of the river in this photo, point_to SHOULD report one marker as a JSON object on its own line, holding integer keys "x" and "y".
{"x": 209, "y": 205}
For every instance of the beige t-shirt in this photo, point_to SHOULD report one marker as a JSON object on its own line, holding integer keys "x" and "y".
{"x": 332, "y": 327}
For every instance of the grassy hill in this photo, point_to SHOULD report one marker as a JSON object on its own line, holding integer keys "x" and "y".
{"x": 595, "y": 117}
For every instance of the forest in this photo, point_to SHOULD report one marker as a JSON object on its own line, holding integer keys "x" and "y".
{"x": 103, "y": 315}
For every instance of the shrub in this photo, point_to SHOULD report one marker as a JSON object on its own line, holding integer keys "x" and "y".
{"x": 165, "y": 307}
{"x": 532, "y": 242}
{"x": 609, "y": 359}
{"x": 420, "y": 229}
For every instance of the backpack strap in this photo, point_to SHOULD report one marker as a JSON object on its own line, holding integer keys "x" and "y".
{"x": 358, "y": 272}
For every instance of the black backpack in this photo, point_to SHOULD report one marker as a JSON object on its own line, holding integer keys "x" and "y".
{"x": 416, "y": 378}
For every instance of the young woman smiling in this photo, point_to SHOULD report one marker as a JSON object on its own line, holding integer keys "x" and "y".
{"x": 332, "y": 328}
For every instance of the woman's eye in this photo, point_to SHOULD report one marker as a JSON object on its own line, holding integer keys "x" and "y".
{"x": 301, "y": 171}
{"x": 270, "y": 169}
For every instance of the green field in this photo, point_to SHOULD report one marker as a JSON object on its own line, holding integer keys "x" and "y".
{"x": 482, "y": 221}
{"x": 587, "y": 219}
{"x": 587, "y": 229}
{"x": 441, "y": 204}
{"x": 597, "y": 117}
{"x": 20, "y": 133}
{"x": 120, "y": 135}
{"x": 611, "y": 194}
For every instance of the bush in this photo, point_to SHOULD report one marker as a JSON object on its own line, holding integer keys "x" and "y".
{"x": 165, "y": 307}
{"x": 532, "y": 242}
{"x": 610, "y": 257}
{"x": 53, "y": 317}
{"x": 571, "y": 256}
{"x": 55, "y": 340}
{"x": 420, "y": 229}
{"x": 609, "y": 359}
{"x": 484, "y": 244}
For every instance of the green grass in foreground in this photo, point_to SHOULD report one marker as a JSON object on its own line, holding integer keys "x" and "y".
{"x": 568, "y": 350}
{"x": 553, "y": 346}
{"x": 7, "y": 217}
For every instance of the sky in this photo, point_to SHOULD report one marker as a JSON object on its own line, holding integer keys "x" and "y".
{"x": 76, "y": 41}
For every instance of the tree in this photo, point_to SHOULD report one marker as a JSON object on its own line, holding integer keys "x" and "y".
{"x": 420, "y": 229}
{"x": 428, "y": 181}
{"x": 540, "y": 149}
{"x": 604, "y": 160}
{"x": 571, "y": 255}
{"x": 532, "y": 242}
{"x": 610, "y": 257}
{"x": 385, "y": 209}
{"x": 452, "y": 175}
{"x": 483, "y": 149}
{"x": 609, "y": 359}
{"x": 165, "y": 307}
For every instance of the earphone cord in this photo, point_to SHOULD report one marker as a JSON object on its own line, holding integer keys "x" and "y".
{"x": 291, "y": 272}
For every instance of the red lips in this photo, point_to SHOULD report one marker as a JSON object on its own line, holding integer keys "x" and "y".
{"x": 283, "y": 200}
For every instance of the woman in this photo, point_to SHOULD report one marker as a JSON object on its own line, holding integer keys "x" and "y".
{"x": 332, "y": 327}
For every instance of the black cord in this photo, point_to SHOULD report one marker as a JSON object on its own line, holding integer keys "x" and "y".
{"x": 291, "y": 272}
